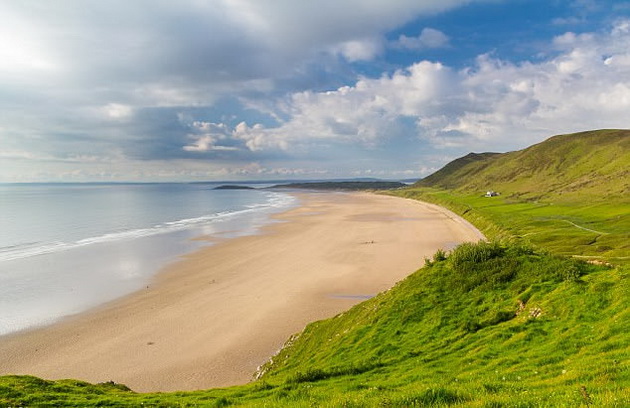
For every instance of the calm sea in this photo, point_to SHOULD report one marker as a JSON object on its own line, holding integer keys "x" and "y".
{"x": 65, "y": 248}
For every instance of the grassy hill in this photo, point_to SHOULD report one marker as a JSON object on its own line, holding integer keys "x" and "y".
{"x": 569, "y": 194}
{"x": 510, "y": 324}
{"x": 589, "y": 164}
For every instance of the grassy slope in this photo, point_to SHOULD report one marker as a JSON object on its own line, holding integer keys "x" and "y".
{"x": 450, "y": 335}
{"x": 489, "y": 326}
{"x": 569, "y": 194}
{"x": 588, "y": 164}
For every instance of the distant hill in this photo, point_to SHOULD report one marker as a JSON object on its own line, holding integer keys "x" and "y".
{"x": 233, "y": 187}
{"x": 345, "y": 185}
{"x": 451, "y": 175}
{"x": 594, "y": 163}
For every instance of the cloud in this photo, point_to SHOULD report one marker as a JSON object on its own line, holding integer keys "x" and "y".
{"x": 117, "y": 111}
{"x": 560, "y": 21}
{"x": 365, "y": 114}
{"x": 205, "y": 144}
{"x": 189, "y": 52}
{"x": 210, "y": 85}
{"x": 111, "y": 76}
{"x": 208, "y": 137}
{"x": 492, "y": 105}
{"x": 255, "y": 169}
{"x": 428, "y": 38}
{"x": 360, "y": 50}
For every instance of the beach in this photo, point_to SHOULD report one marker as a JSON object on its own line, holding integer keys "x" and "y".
{"x": 211, "y": 318}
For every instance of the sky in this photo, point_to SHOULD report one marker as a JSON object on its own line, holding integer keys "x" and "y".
{"x": 189, "y": 90}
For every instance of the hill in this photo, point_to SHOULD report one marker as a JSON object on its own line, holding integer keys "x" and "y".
{"x": 344, "y": 185}
{"x": 569, "y": 194}
{"x": 594, "y": 164}
{"x": 451, "y": 175}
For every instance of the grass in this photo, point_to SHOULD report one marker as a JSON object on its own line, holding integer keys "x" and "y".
{"x": 569, "y": 194}
{"x": 487, "y": 325}
{"x": 595, "y": 229}
{"x": 593, "y": 164}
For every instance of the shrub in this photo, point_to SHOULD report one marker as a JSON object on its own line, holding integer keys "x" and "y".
{"x": 570, "y": 273}
{"x": 467, "y": 253}
{"x": 439, "y": 255}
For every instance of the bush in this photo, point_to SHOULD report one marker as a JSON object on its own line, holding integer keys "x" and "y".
{"x": 473, "y": 253}
{"x": 439, "y": 255}
{"x": 570, "y": 273}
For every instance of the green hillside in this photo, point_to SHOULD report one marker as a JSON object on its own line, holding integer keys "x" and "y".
{"x": 513, "y": 323}
{"x": 594, "y": 164}
{"x": 569, "y": 194}
{"x": 487, "y": 326}
{"x": 451, "y": 175}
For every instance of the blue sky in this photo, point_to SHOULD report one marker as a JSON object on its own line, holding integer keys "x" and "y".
{"x": 183, "y": 90}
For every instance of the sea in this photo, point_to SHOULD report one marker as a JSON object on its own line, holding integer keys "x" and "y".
{"x": 66, "y": 248}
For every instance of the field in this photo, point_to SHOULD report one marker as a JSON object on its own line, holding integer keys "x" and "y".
{"x": 588, "y": 228}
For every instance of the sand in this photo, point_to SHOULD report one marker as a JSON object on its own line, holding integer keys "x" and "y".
{"x": 210, "y": 319}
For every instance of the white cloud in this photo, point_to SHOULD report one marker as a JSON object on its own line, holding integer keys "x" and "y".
{"x": 560, "y": 21}
{"x": 117, "y": 111}
{"x": 428, "y": 38}
{"x": 493, "y": 105}
{"x": 75, "y": 80}
{"x": 186, "y": 53}
{"x": 23, "y": 49}
{"x": 257, "y": 169}
{"x": 365, "y": 113}
{"x": 257, "y": 138}
{"x": 103, "y": 75}
{"x": 360, "y": 50}
{"x": 207, "y": 137}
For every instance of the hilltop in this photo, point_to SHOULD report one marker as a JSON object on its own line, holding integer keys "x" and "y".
{"x": 594, "y": 164}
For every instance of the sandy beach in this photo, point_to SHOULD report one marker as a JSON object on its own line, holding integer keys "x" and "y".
{"x": 211, "y": 318}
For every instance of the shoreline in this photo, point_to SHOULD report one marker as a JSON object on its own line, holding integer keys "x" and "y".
{"x": 212, "y": 318}
{"x": 72, "y": 266}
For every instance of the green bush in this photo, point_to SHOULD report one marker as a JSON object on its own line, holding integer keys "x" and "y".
{"x": 472, "y": 253}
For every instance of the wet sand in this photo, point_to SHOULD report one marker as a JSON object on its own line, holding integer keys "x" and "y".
{"x": 210, "y": 319}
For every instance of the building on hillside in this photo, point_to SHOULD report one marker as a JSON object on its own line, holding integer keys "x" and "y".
{"x": 491, "y": 193}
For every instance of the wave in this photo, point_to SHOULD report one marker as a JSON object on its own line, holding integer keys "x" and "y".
{"x": 13, "y": 252}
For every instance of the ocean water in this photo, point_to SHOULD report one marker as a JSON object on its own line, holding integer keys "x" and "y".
{"x": 65, "y": 248}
